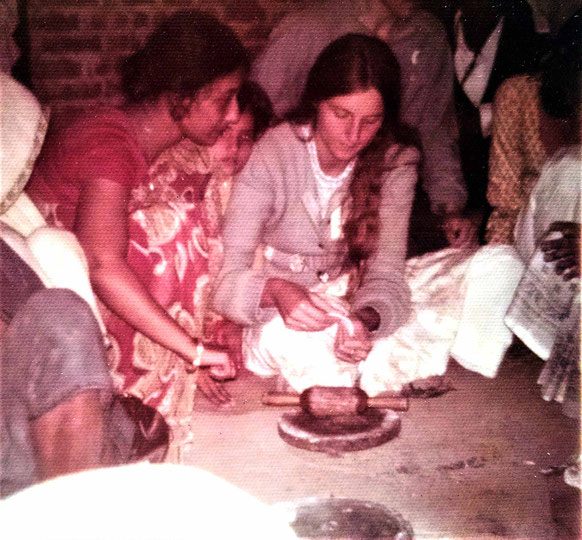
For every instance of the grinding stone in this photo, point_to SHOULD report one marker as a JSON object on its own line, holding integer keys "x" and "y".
{"x": 339, "y": 433}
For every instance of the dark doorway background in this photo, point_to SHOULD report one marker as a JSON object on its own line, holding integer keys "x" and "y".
{"x": 21, "y": 70}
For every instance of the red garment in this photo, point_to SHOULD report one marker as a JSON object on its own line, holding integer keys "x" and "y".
{"x": 91, "y": 147}
{"x": 168, "y": 242}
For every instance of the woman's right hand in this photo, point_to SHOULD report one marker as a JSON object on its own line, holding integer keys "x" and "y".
{"x": 296, "y": 306}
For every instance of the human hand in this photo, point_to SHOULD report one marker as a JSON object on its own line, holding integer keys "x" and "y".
{"x": 564, "y": 251}
{"x": 461, "y": 231}
{"x": 218, "y": 362}
{"x": 352, "y": 347}
{"x": 211, "y": 389}
{"x": 297, "y": 306}
{"x": 227, "y": 336}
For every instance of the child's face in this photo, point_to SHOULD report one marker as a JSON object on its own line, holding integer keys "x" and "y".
{"x": 233, "y": 148}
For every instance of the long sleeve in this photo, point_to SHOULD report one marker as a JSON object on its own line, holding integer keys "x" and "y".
{"x": 384, "y": 286}
{"x": 428, "y": 106}
{"x": 238, "y": 288}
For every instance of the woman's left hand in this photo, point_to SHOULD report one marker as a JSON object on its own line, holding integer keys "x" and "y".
{"x": 352, "y": 347}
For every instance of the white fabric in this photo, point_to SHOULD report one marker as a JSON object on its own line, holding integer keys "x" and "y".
{"x": 22, "y": 129}
{"x": 543, "y": 300}
{"x": 54, "y": 254}
{"x": 142, "y": 501}
{"x": 62, "y": 259}
{"x": 326, "y": 185}
{"x": 555, "y": 197}
{"x": 459, "y": 298}
{"x": 476, "y": 83}
{"x": 482, "y": 337}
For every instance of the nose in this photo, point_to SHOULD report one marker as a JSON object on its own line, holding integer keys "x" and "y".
{"x": 353, "y": 132}
{"x": 230, "y": 142}
{"x": 233, "y": 112}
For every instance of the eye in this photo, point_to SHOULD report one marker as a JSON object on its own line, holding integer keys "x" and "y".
{"x": 371, "y": 120}
{"x": 340, "y": 113}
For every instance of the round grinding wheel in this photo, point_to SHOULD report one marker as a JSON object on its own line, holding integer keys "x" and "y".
{"x": 332, "y": 434}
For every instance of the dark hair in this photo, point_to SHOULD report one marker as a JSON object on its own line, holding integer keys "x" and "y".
{"x": 187, "y": 51}
{"x": 350, "y": 64}
{"x": 254, "y": 100}
{"x": 560, "y": 88}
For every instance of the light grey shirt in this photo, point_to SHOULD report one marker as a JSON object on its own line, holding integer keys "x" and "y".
{"x": 421, "y": 48}
{"x": 273, "y": 203}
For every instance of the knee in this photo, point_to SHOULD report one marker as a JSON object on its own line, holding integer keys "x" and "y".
{"x": 56, "y": 345}
{"x": 496, "y": 259}
{"x": 61, "y": 309}
{"x": 63, "y": 320}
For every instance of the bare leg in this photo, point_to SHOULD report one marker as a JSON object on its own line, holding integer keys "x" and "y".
{"x": 56, "y": 391}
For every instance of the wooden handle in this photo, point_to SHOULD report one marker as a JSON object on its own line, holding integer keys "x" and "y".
{"x": 280, "y": 399}
{"x": 389, "y": 402}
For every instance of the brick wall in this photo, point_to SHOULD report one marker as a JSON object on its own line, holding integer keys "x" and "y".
{"x": 75, "y": 45}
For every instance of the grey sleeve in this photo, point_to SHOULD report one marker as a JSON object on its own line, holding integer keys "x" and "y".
{"x": 282, "y": 67}
{"x": 238, "y": 288}
{"x": 384, "y": 287}
{"x": 433, "y": 110}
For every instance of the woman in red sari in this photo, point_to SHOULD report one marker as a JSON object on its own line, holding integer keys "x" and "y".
{"x": 182, "y": 84}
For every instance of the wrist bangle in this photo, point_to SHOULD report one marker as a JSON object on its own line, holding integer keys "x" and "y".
{"x": 198, "y": 357}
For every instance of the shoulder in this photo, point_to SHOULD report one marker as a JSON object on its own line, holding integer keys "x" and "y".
{"x": 399, "y": 155}
{"x": 98, "y": 145}
{"x": 428, "y": 23}
{"x": 429, "y": 30}
{"x": 278, "y": 143}
{"x": 303, "y": 22}
{"x": 276, "y": 158}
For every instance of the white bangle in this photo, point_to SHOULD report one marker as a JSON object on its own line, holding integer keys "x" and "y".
{"x": 198, "y": 358}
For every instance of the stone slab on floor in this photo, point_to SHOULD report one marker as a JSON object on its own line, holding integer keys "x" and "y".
{"x": 466, "y": 464}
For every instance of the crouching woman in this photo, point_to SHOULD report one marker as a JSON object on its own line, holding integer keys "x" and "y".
{"x": 328, "y": 193}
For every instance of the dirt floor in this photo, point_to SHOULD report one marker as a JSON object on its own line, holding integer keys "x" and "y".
{"x": 466, "y": 464}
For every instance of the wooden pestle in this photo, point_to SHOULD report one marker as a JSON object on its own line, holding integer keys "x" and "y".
{"x": 335, "y": 400}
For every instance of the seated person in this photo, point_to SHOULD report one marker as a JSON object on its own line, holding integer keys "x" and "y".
{"x": 534, "y": 116}
{"x": 164, "y": 222}
{"x": 545, "y": 312}
{"x": 56, "y": 391}
{"x": 292, "y": 198}
{"x": 92, "y": 178}
{"x": 329, "y": 194}
{"x": 56, "y": 394}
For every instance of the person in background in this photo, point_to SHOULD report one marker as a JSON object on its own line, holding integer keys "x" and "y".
{"x": 182, "y": 84}
{"x": 492, "y": 40}
{"x": 57, "y": 411}
{"x": 534, "y": 116}
{"x": 418, "y": 41}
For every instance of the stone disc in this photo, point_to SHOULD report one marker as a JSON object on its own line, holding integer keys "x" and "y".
{"x": 347, "y": 433}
